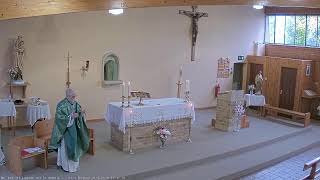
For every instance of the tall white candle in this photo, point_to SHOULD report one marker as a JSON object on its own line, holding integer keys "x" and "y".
{"x": 180, "y": 74}
{"x": 129, "y": 88}
{"x": 123, "y": 87}
{"x": 187, "y": 85}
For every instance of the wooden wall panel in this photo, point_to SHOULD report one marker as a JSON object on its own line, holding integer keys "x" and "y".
{"x": 291, "y": 10}
{"x": 295, "y": 52}
{"x": 10, "y": 9}
{"x": 316, "y": 71}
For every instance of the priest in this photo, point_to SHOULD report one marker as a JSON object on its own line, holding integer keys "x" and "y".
{"x": 70, "y": 135}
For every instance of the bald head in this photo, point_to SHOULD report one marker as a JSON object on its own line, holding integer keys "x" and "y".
{"x": 70, "y": 94}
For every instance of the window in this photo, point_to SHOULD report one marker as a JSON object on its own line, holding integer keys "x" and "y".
{"x": 300, "y": 30}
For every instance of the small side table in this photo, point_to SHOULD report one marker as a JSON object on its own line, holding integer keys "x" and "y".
{"x": 8, "y": 109}
{"x": 255, "y": 100}
{"x": 34, "y": 113}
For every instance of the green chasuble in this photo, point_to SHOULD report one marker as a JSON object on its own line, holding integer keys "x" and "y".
{"x": 76, "y": 137}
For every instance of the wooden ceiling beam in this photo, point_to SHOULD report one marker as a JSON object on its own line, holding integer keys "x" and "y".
{"x": 10, "y": 9}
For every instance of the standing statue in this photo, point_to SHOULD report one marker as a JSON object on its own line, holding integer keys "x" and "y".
{"x": 19, "y": 52}
{"x": 258, "y": 82}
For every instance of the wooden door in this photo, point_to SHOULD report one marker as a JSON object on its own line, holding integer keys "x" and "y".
{"x": 237, "y": 76}
{"x": 287, "y": 88}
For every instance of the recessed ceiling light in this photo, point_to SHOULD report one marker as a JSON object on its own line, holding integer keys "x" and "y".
{"x": 116, "y": 11}
{"x": 258, "y": 6}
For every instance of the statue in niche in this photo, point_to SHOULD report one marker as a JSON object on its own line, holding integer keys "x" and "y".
{"x": 258, "y": 82}
{"x": 110, "y": 68}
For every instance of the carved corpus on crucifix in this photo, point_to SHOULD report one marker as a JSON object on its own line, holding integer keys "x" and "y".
{"x": 195, "y": 16}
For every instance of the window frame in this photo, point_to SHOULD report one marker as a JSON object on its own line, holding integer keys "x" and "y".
{"x": 267, "y": 41}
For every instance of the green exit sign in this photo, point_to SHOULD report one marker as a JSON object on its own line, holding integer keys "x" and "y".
{"x": 240, "y": 58}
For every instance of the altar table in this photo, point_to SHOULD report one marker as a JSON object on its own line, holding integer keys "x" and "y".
{"x": 134, "y": 127}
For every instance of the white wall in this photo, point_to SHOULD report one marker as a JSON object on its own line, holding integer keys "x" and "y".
{"x": 151, "y": 43}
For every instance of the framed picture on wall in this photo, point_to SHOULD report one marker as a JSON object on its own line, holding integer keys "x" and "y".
{"x": 308, "y": 70}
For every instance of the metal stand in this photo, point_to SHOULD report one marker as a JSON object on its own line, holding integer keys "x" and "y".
{"x": 122, "y": 101}
{"x": 130, "y": 141}
{"x": 189, "y": 139}
{"x": 187, "y": 94}
{"x": 140, "y": 100}
{"x": 129, "y": 97}
{"x": 179, "y": 84}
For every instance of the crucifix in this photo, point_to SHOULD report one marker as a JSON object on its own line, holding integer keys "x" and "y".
{"x": 195, "y": 16}
{"x": 68, "y": 70}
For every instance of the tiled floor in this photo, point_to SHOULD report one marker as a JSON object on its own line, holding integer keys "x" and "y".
{"x": 290, "y": 169}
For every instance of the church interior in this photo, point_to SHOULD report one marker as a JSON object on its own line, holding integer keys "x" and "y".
{"x": 152, "y": 89}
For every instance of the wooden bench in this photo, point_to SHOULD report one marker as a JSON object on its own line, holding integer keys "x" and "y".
{"x": 314, "y": 171}
{"x": 305, "y": 116}
{"x": 16, "y": 155}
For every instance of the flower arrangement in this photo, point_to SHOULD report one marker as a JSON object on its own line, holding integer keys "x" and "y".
{"x": 15, "y": 74}
{"x": 238, "y": 112}
{"x": 163, "y": 134}
{"x": 251, "y": 88}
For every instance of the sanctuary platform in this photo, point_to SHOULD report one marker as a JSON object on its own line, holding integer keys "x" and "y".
{"x": 213, "y": 153}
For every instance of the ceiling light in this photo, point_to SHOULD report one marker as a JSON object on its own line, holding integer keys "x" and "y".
{"x": 258, "y": 6}
{"x": 116, "y": 11}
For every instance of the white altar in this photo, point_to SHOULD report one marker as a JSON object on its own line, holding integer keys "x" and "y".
{"x": 34, "y": 113}
{"x": 137, "y": 123}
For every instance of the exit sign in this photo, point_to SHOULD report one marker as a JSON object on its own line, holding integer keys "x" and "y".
{"x": 240, "y": 58}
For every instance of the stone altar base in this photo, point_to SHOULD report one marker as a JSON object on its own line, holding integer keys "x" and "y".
{"x": 143, "y": 135}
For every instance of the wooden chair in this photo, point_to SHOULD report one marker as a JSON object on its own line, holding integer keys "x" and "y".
{"x": 314, "y": 171}
{"x": 15, "y": 155}
{"x": 43, "y": 130}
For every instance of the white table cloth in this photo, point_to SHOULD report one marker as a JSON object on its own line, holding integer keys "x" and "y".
{"x": 7, "y": 109}
{"x": 254, "y": 100}
{"x": 153, "y": 110}
{"x": 35, "y": 113}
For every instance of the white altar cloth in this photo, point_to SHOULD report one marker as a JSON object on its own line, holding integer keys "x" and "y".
{"x": 153, "y": 110}
{"x": 7, "y": 109}
{"x": 254, "y": 100}
{"x": 35, "y": 113}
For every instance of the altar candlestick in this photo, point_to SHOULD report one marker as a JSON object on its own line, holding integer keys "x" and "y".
{"x": 180, "y": 74}
{"x": 129, "y": 88}
{"x": 123, "y": 87}
{"x": 187, "y": 85}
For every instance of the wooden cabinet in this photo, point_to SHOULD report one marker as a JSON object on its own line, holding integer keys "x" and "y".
{"x": 276, "y": 86}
